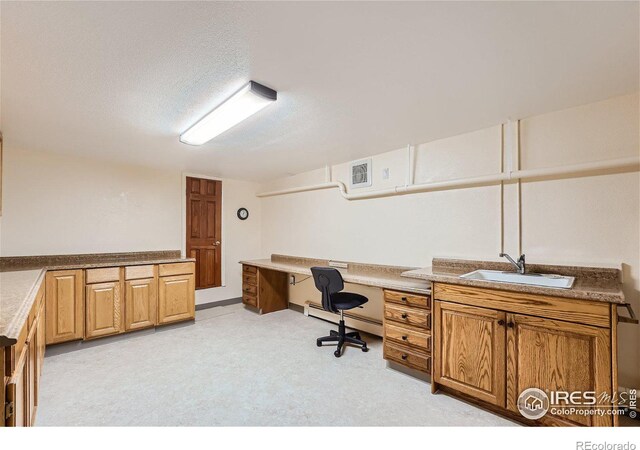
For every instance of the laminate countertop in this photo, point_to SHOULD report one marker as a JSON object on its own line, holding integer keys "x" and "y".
{"x": 18, "y": 288}
{"x": 386, "y": 277}
{"x": 591, "y": 283}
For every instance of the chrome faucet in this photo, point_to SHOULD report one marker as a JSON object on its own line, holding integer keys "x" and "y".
{"x": 520, "y": 265}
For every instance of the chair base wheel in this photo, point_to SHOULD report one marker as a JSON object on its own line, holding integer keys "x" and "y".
{"x": 337, "y": 353}
{"x": 364, "y": 348}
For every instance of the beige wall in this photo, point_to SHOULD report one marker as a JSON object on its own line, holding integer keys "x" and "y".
{"x": 591, "y": 221}
{"x": 57, "y": 204}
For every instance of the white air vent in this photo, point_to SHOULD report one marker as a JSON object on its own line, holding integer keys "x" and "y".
{"x": 361, "y": 173}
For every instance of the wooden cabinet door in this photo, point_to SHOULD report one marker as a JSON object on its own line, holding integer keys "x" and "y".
{"x": 18, "y": 392}
{"x": 64, "y": 305}
{"x": 469, "y": 348}
{"x": 32, "y": 377}
{"x": 176, "y": 298}
{"x": 104, "y": 309}
{"x": 553, "y": 355}
{"x": 41, "y": 323}
{"x": 141, "y": 300}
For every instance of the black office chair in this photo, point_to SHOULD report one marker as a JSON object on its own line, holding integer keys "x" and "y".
{"x": 329, "y": 281}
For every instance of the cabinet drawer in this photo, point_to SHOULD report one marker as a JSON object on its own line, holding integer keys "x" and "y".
{"x": 408, "y": 316}
{"x": 250, "y": 279}
{"x": 176, "y": 269}
{"x": 403, "y": 298}
{"x": 102, "y": 275}
{"x": 406, "y": 336}
{"x": 407, "y": 357}
{"x": 138, "y": 272}
{"x": 249, "y": 289}
{"x": 249, "y": 299}
{"x": 249, "y": 269}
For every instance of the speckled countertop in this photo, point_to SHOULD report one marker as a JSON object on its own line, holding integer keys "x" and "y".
{"x": 21, "y": 276}
{"x": 17, "y": 293}
{"x": 358, "y": 273}
{"x": 591, "y": 283}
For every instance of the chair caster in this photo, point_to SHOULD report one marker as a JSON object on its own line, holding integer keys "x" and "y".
{"x": 337, "y": 353}
{"x": 364, "y": 348}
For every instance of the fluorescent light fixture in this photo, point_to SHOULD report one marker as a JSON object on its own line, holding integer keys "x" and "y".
{"x": 244, "y": 103}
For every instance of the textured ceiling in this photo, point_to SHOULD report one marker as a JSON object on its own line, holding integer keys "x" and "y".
{"x": 121, "y": 80}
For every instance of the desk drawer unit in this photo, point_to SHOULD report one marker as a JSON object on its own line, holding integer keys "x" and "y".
{"x": 407, "y": 329}
{"x": 250, "y": 285}
{"x": 265, "y": 289}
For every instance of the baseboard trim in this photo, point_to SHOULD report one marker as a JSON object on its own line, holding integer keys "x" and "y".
{"x": 229, "y": 301}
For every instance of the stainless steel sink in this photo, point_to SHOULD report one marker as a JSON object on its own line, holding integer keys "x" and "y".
{"x": 532, "y": 279}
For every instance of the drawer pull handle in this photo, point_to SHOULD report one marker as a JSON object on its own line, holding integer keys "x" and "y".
{"x": 404, "y": 338}
{"x": 404, "y": 299}
{"x": 404, "y": 315}
{"x": 404, "y": 356}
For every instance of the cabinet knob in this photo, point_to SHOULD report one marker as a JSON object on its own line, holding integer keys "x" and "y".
{"x": 500, "y": 322}
{"x": 404, "y": 315}
{"x": 404, "y": 299}
{"x": 404, "y": 338}
{"x": 511, "y": 324}
{"x": 404, "y": 356}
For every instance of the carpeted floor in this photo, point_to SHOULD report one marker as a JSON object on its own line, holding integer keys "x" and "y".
{"x": 234, "y": 367}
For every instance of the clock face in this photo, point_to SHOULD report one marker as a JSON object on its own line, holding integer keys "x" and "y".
{"x": 243, "y": 213}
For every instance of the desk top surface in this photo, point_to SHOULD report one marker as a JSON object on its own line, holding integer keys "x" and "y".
{"x": 386, "y": 277}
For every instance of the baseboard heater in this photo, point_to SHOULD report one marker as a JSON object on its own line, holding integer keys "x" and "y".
{"x": 351, "y": 320}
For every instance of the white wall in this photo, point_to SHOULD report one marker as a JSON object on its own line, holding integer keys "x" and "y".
{"x": 58, "y": 204}
{"x": 591, "y": 221}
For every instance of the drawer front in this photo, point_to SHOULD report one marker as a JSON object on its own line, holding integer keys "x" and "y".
{"x": 407, "y": 357}
{"x": 406, "y": 336}
{"x": 102, "y": 275}
{"x": 249, "y": 299}
{"x": 249, "y": 269}
{"x": 250, "y": 279}
{"x": 251, "y": 290}
{"x": 177, "y": 269}
{"x": 409, "y": 316}
{"x": 403, "y": 298}
{"x": 138, "y": 272}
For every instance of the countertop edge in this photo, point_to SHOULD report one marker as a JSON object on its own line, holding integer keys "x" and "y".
{"x": 16, "y": 325}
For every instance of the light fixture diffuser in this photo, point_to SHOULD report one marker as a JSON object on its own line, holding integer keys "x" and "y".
{"x": 247, "y": 101}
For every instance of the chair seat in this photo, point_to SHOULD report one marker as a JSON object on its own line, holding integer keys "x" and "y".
{"x": 347, "y": 300}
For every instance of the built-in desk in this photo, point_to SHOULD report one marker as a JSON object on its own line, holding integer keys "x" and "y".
{"x": 399, "y": 308}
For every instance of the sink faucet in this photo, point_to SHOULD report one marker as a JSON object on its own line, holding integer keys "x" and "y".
{"x": 520, "y": 265}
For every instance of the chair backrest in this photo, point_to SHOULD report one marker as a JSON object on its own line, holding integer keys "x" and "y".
{"x": 328, "y": 281}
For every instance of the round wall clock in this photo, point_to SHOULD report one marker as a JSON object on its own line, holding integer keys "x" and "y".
{"x": 243, "y": 214}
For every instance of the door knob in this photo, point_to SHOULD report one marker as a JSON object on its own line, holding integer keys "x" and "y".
{"x": 217, "y": 243}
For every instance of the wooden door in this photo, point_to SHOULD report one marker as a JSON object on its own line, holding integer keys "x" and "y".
{"x": 64, "y": 305}
{"x": 141, "y": 299}
{"x": 553, "y": 355}
{"x": 204, "y": 230}
{"x": 32, "y": 377}
{"x": 176, "y": 300}
{"x": 104, "y": 309}
{"x": 18, "y": 393}
{"x": 469, "y": 348}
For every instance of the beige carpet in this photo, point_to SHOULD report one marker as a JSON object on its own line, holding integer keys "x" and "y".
{"x": 234, "y": 367}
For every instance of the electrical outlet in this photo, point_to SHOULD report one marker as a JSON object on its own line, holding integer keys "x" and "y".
{"x": 386, "y": 173}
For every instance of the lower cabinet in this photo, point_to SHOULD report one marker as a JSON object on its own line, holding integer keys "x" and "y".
{"x": 141, "y": 301}
{"x": 493, "y": 355}
{"x": 553, "y": 355}
{"x": 176, "y": 298}
{"x": 65, "y": 305}
{"x": 470, "y": 343}
{"x": 105, "y": 312}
